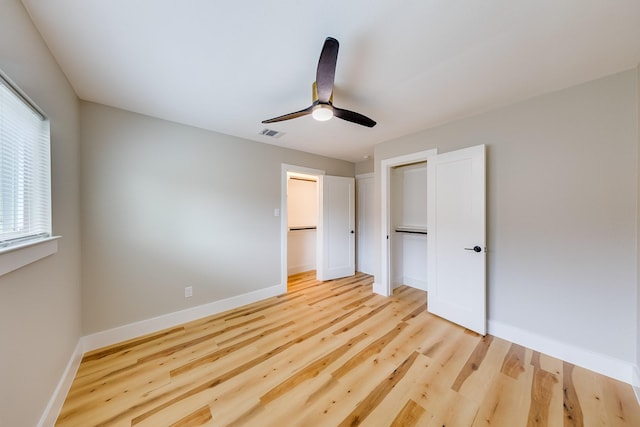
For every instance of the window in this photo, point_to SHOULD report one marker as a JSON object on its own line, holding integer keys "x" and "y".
{"x": 25, "y": 176}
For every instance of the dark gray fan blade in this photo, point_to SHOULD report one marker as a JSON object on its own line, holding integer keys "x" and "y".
{"x": 352, "y": 116}
{"x": 327, "y": 69}
{"x": 290, "y": 116}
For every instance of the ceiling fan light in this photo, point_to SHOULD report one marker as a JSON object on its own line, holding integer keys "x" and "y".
{"x": 322, "y": 113}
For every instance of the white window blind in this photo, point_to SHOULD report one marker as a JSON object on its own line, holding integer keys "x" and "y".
{"x": 25, "y": 188}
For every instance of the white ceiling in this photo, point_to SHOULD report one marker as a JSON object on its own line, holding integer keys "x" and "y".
{"x": 409, "y": 65}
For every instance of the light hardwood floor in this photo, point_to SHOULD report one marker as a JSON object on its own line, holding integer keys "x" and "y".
{"x": 335, "y": 354}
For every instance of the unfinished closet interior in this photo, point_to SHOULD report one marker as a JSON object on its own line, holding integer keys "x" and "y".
{"x": 408, "y": 245}
{"x": 302, "y": 222}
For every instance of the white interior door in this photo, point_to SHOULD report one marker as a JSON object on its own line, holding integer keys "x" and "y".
{"x": 336, "y": 228}
{"x": 365, "y": 232}
{"x": 456, "y": 240}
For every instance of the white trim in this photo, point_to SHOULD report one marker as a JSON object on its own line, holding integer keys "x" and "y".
{"x": 414, "y": 283}
{"x": 15, "y": 257}
{"x": 300, "y": 268}
{"x": 601, "y": 363}
{"x": 635, "y": 382}
{"x": 20, "y": 93}
{"x": 155, "y": 324}
{"x": 59, "y": 395}
{"x": 284, "y": 227}
{"x": 384, "y": 286}
{"x": 379, "y": 288}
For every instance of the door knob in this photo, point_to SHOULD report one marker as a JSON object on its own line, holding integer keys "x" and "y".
{"x": 352, "y": 232}
{"x": 475, "y": 249}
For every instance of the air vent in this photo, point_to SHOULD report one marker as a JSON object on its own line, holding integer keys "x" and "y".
{"x": 271, "y": 133}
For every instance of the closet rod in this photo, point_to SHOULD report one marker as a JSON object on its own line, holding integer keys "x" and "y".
{"x": 297, "y": 178}
{"x": 411, "y": 232}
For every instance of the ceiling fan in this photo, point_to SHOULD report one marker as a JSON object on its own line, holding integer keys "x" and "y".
{"x": 322, "y": 108}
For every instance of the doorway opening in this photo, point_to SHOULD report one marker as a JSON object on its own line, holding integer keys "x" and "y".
{"x": 387, "y": 265}
{"x": 302, "y": 223}
{"x": 335, "y": 229}
{"x": 408, "y": 231}
{"x": 303, "y": 183}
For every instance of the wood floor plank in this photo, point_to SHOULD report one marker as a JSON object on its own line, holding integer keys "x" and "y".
{"x": 165, "y": 352}
{"x": 545, "y": 392}
{"x": 477, "y": 384}
{"x": 310, "y": 371}
{"x": 362, "y": 319}
{"x": 420, "y": 309}
{"x": 198, "y": 418}
{"x": 386, "y": 409}
{"x": 373, "y": 399}
{"x": 572, "y": 409}
{"x": 507, "y": 402}
{"x": 451, "y": 409}
{"x": 359, "y": 301}
{"x": 219, "y": 379}
{"x": 371, "y": 350}
{"x": 409, "y": 415}
{"x": 617, "y": 403}
{"x": 513, "y": 364}
{"x": 212, "y": 357}
{"x": 541, "y": 394}
{"x": 474, "y": 362}
{"x": 128, "y": 345}
{"x": 334, "y": 353}
{"x": 432, "y": 389}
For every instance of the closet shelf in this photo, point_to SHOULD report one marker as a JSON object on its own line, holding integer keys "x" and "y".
{"x": 310, "y": 227}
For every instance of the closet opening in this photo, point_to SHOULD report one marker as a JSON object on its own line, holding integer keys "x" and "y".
{"x": 408, "y": 225}
{"x": 302, "y": 223}
{"x": 403, "y": 215}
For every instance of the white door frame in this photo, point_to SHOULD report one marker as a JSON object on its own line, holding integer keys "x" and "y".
{"x": 286, "y": 168}
{"x": 383, "y": 285}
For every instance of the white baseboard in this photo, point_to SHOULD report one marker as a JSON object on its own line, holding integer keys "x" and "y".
{"x": 597, "y": 362}
{"x": 51, "y": 412}
{"x": 415, "y": 283}
{"x": 133, "y": 330}
{"x": 300, "y": 269}
{"x": 635, "y": 383}
{"x": 380, "y": 289}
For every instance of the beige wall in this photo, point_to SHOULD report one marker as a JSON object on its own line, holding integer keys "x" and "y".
{"x": 167, "y": 206}
{"x": 562, "y": 190}
{"x": 40, "y": 303}
{"x": 365, "y": 166}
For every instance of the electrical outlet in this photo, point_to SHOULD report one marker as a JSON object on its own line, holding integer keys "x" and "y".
{"x": 188, "y": 291}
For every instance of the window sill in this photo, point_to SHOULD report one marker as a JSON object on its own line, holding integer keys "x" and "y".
{"x": 15, "y": 257}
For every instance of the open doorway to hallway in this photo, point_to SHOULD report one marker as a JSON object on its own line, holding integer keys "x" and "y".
{"x": 302, "y": 224}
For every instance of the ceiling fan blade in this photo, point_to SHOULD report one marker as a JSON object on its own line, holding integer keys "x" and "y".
{"x": 290, "y": 116}
{"x": 327, "y": 69}
{"x": 352, "y": 116}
